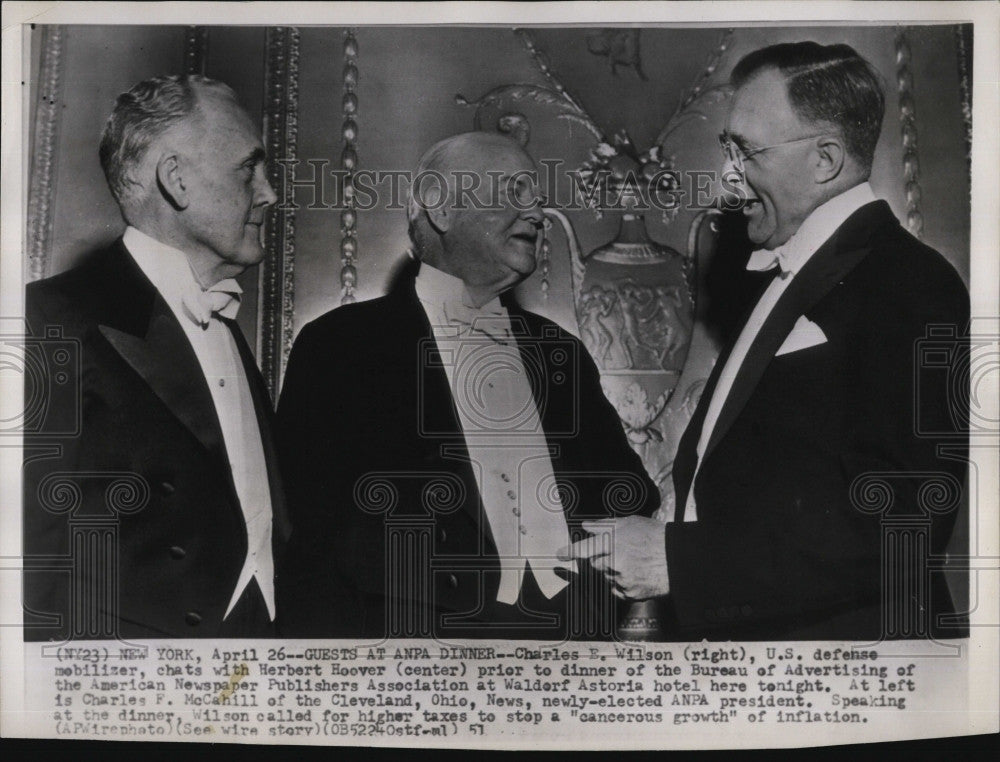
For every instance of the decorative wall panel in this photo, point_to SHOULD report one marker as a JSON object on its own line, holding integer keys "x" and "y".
{"x": 277, "y": 284}
{"x": 43, "y": 178}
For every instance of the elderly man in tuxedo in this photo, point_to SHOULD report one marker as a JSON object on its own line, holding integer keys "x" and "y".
{"x": 442, "y": 444}
{"x": 153, "y": 505}
{"x": 819, "y": 393}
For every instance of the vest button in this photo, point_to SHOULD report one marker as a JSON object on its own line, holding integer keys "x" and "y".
{"x": 193, "y": 618}
{"x": 178, "y": 552}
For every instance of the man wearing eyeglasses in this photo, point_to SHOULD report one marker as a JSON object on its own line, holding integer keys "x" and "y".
{"x": 774, "y": 536}
{"x": 442, "y": 443}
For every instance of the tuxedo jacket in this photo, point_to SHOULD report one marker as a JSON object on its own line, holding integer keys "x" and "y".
{"x": 817, "y": 466}
{"x": 132, "y": 525}
{"x": 393, "y": 538}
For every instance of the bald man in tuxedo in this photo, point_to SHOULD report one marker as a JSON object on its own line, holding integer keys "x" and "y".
{"x": 441, "y": 444}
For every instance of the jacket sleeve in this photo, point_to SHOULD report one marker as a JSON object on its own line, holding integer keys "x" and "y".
{"x": 627, "y": 489}
{"x": 336, "y": 554}
{"x": 51, "y": 442}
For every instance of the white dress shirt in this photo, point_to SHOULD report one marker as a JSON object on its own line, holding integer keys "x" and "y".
{"x": 790, "y": 257}
{"x": 510, "y": 455}
{"x": 169, "y": 271}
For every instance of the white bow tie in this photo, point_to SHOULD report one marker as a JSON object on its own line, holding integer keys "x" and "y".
{"x": 222, "y": 299}
{"x": 491, "y": 319}
{"x": 762, "y": 260}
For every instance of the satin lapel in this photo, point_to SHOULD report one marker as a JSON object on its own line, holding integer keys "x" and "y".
{"x": 444, "y": 440}
{"x": 167, "y": 363}
{"x": 817, "y": 277}
{"x": 535, "y": 354}
{"x": 686, "y": 458}
{"x": 437, "y": 415}
{"x": 265, "y": 422}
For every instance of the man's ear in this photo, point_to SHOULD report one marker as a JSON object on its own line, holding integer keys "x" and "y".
{"x": 440, "y": 218}
{"x": 171, "y": 181}
{"x": 831, "y": 155}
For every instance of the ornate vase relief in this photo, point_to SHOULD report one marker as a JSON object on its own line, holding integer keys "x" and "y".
{"x": 634, "y": 303}
{"x": 636, "y": 313}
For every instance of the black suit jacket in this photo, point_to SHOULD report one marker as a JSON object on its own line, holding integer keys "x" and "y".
{"x": 391, "y": 537}
{"x": 132, "y": 526}
{"x": 782, "y": 547}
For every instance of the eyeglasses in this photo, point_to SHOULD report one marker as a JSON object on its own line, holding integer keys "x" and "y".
{"x": 736, "y": 155}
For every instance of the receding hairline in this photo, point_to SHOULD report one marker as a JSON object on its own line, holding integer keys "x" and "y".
{"x": 212, "y": 93}
{"x": 205, "y": 93}
{"x": 444, "y": 154}
{"x": 780, "y": 78}
{"x": 830, "y": 85}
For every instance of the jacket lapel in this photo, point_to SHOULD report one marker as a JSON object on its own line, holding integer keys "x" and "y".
{"x": 534, "y": 355}
{"x": 686, "y": 458}
{"x": 437, "y": 415}
{"x": 824, "y": 270}
{"x": 144, "y": 331}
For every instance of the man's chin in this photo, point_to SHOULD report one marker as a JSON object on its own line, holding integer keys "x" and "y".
{"x": 516, "y": 276}
{"x": 762, "y": 239}
{"x": 252, "y": 255}
{"x": 524, "y": 273}
{"x": 523, "y": 264}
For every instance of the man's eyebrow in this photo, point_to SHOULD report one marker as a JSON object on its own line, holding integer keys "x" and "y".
{"x": 741, "y": 142}
{"x": 257, "y": 156}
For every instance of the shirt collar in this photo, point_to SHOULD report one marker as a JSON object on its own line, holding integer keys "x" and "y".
{"x": 821, "y": 223}
{"x": 169, "y": 270}
{"x": 437, "y": 287}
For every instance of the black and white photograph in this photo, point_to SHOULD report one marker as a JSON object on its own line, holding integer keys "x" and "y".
{"x": 463, "y": 375}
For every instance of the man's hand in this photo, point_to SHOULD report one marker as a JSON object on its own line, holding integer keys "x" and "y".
{"x": 629, "y": 552}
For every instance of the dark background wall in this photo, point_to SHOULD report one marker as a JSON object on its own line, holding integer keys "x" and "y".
{"x": 408, "y": 80}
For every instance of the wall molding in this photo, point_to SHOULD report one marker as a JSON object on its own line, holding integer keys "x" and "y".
{"x": 195, "y": 49}
{"x": 963, "y": 44}
{"x": 908, "y": 133}
{"x": 42, "y": 177}
{"x": 349, "y": 163}
{"x": 275, "y": 313}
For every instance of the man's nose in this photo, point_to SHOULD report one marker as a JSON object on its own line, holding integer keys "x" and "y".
{"x": 534, "y": 213}
{"x": 265, "y": 195}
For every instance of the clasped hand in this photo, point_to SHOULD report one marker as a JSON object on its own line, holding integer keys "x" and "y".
{"x": 629, "y": 552}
